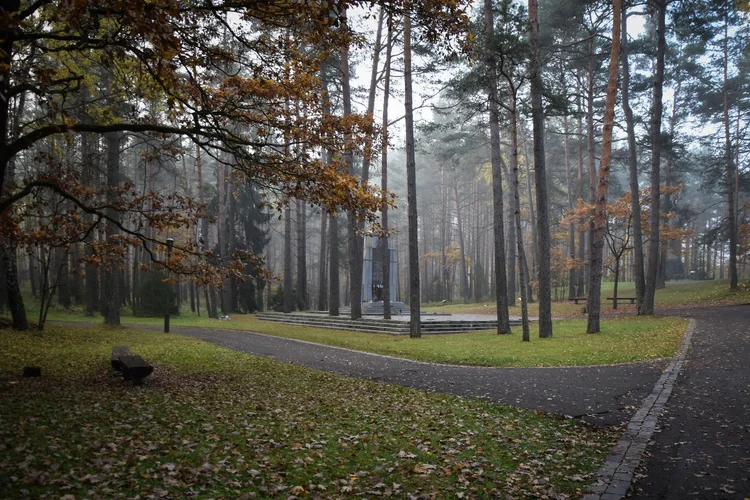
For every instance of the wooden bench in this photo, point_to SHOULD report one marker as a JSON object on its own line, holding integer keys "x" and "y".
{"x": 118, "y": 351}
{"x": 133, "y": 367}
{"x": 576, "y": 299}
{"x": 631, "y": 299}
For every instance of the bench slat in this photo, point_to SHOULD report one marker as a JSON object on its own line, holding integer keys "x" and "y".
{"x": 135, "y": 368}
{"x": 117, "y": 353}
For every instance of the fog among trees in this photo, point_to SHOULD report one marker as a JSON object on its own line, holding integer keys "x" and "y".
{"x": 230, "y": 157}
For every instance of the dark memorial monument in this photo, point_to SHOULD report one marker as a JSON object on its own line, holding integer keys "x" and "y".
{"x": 372, "y": 279}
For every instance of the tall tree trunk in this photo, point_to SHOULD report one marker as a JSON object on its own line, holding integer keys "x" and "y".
{"x": 580, "y": 282}
{"x": 89, "y": 178}
{"x": 593, "y": 302}
{"x": 445, "y": 295}
{"x": 367, "y": 158}
{"x": 354, "y": 241}
{"x": 259, "y": 286}
{"x": 7, "y": 38}
{"x": 571, "y": 206}
{"x": 501, "y": 276}
{"x": 656, "y": 111}
{"x": 461, "y": 247}
{"x": 221, "y": 231}
{"x": 62, "y": 277}
{"x": 322, "y": 258}
{"x": 385, "y": 256}
{"x": 302, "y": 304}
{"x": 111, "y": 281}
{"x": 590, "y": 154}
{"x": 425, "y": 282}
{"x": 523, "y": 268}
{"x": 191, "y": 291}
{"x": 231, "y": 286}
{"x": 203, "y": 239}
{"x": 540, "y": 175}
{"x": 512, "y": 250}
{"x": 532, "y": 212}
{"x": 635, "y": 201}
{"x": 211, "y": 300}
{"x": 3, "y": 291}
{"x": 333, "y": 278}
{"x": 411, "y": 186}
{"x": 515, "y": 167}
{"x": 8, "y": 166}
{"x": 333, "y": 230}
{"x": 662, "y": 275}
{"x": 730, "y": 167}
{"x": 288, "y": 277}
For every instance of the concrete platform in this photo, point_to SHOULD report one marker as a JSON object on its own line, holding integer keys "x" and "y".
{"x": 398, "y": 325}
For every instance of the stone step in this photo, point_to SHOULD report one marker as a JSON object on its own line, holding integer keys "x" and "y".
{"x": 325, "y": 317}
{"x": 376, "y": 326}
{"x": 396, "y": 330}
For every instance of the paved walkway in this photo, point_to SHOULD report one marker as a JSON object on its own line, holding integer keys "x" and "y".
{"x": 602, "y": 394}
{"x": 697, "y": 444}
{"x": 701, "y": 447}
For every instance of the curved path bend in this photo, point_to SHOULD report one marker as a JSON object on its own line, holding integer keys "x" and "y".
{"x": 607, "y": 394}
{"x": 698, "y": 443}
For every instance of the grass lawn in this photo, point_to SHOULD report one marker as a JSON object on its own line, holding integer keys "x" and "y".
{"x": 621, "y": 340}
{"x": 677, "y": 294}
{"x": 215, "y": 423}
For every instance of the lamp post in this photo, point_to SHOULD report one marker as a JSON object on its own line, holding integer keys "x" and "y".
{"x": 170, "y": 242}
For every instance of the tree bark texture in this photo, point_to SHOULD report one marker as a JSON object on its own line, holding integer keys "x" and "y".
{"x": 354, "y": 240}
{"x": 385, "y": 257}
{"x": 647, "y": 307}
{"x": 545, "y": 290}
{"x": 288, "y": 276}
{"x": 635, "y": 201}
{"x": 500, "y": 277}
{"x": 112, "y": 273}
{"x": 523, "y": 268}
{"x": 580, "y": 282}
{"x": 731, "y": 177}
{"x": 7, "y": 166}
{"x": 411, "y": 187}
{"x": 302, "y": 304}
{"x": 590, "y": 155}
{"x": 322, "y": 259}
{"x": 464, "y": 274}
{"x": 571, "y": 206}
{"x": 334, "y": 299}
{"x": 600, "y": 207}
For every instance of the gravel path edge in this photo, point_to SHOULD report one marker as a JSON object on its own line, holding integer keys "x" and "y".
{"x": 614, "y": 478}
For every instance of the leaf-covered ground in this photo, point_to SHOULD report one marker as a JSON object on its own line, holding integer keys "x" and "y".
{"x": 215, "y": 423}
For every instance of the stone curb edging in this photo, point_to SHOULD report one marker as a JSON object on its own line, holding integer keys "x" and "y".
{"x": 616, "y": 475}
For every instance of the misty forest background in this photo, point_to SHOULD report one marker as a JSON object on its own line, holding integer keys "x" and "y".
{"x": 100, "y": 201}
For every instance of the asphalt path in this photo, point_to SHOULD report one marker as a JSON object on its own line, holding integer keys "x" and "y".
{"x": 599, "y": 394}
{"x": 701, "y": 448}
